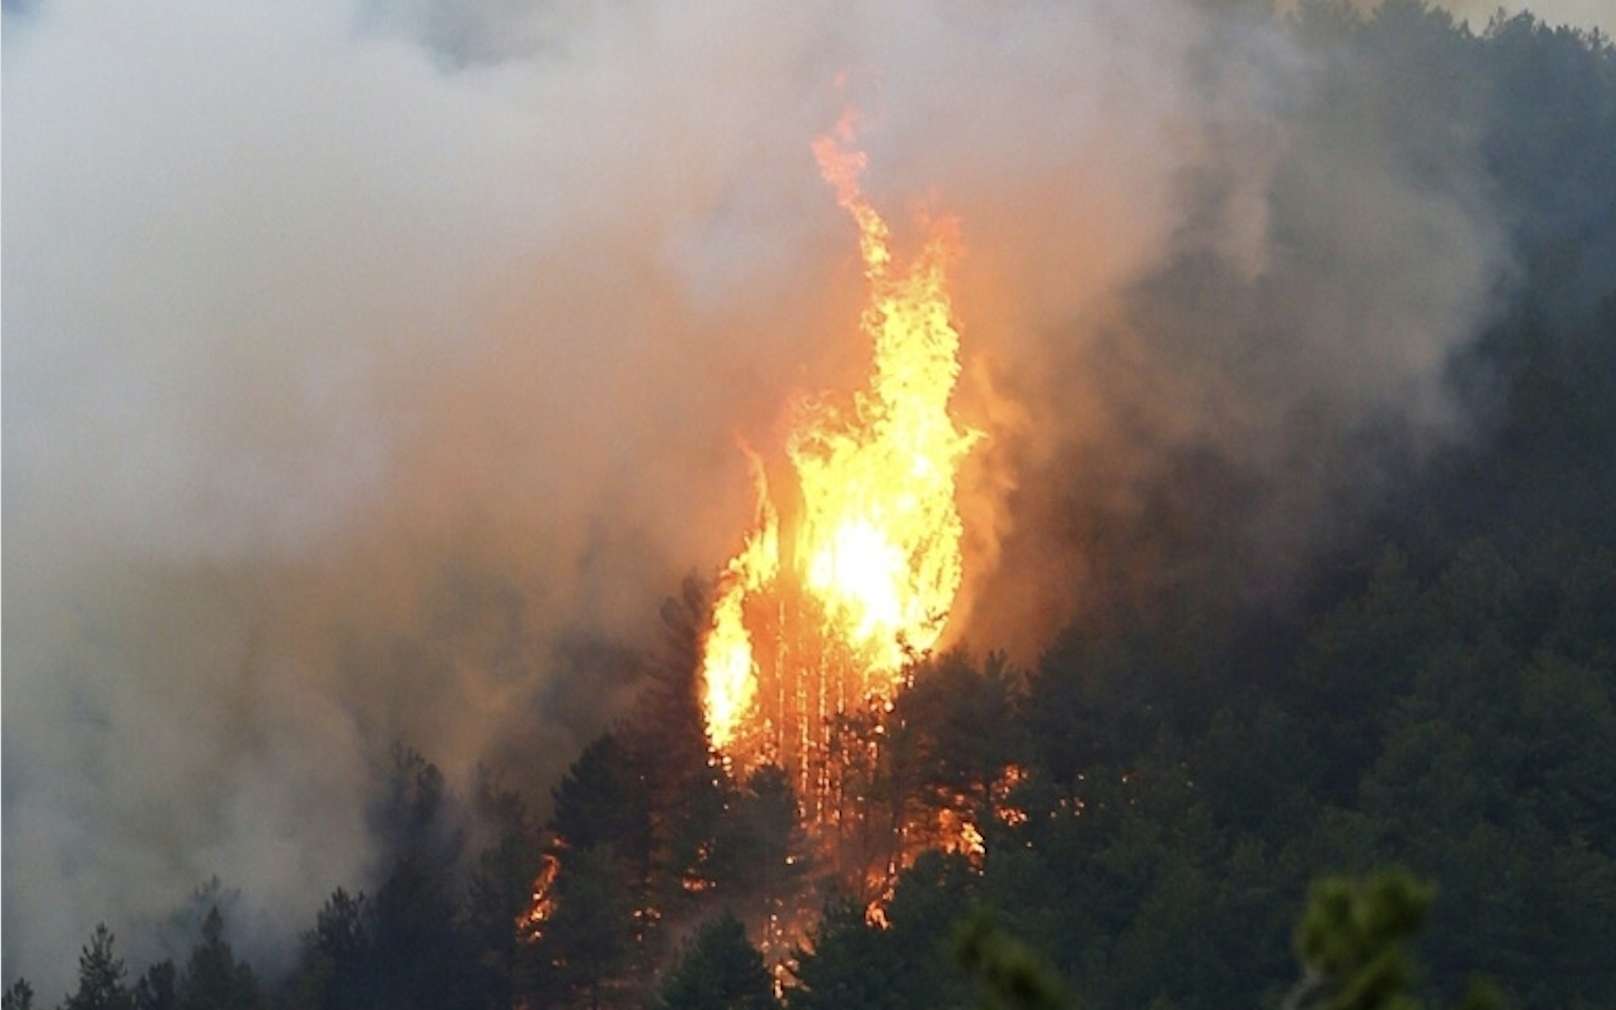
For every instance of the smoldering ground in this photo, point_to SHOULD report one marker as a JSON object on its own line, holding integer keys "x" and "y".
{"x": 373, "y": 371}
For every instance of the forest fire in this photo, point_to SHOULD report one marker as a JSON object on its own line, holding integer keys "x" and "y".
{"x": 853, "y": 573}
{"x": 375, "y": 374}
{"x": 842, "y": 585}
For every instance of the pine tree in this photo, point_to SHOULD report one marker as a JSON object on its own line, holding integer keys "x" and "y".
{"x": 419, "y": 951}
{"x": 158, "y": 987}
{"x": 101, "y": 976}
{"x": 19, "y": 995}
{"x": 846, "y": 965}
{"x": 498, "y": 892}
{"x": 720, "y": 971}
{"x": 761, "y": 852}
{"x": 602, "y": 799}
{"x": 588, "y": 945}
{"x": 336, "y": 969}
{"x": 214, "y": 978}
{"x": 688, "y": 787}
{"x": 966, "y": 718}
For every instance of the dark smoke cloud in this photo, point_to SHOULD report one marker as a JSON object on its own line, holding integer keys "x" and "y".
{"x": 373, "y": 370}
{"x": 1235, "y": 405}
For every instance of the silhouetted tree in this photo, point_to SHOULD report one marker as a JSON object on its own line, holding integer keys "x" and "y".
{"x": 19, "y": 995}
{"x": 337, "y": 967}
{"x": 214, "y": 979}
{"x": 499, "y": 892}
{"x": 721, "y": 970}
{"x": 845, "y": 965}
{"x": 965, "y": 717}
{"x": 101, "y": 976}
{"x": 417, "y": 952}
{"x": 587, "y": 950}
{"x": 158, "y": 987}
{"x": 761, "y": 853}
{"x": 687, "y": 787}
{"x": 603, "y": 799}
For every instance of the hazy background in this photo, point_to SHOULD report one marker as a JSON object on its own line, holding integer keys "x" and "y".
{"x": 372, "y": 371}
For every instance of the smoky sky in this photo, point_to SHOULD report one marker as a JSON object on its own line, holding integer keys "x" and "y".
{"x": 372, "y": 371}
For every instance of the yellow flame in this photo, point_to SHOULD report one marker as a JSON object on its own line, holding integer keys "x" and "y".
{"x": 728, "y": 667}
{"x": 877, "y": 541}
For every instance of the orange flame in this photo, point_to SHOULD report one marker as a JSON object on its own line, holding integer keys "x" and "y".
{"x": 728, "y": 667}
{"x": 530, "y": 924}
{"x": 875, "y": 546}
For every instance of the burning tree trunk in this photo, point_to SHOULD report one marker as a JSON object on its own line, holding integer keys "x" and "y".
{"x": 850, "y": 573}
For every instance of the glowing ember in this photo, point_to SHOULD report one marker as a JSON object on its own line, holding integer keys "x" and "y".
{"x": 875, "y": 912}
{"x": 822, "y": 606}
{"x": 971, "y": 842}
{"x": 1012, "y": 778}
{"x": 530, "y": 925}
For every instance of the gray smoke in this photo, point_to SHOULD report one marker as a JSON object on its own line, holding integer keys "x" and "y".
{"x": 374, "y": 370}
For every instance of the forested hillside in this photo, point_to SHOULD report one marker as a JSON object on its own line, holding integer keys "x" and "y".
{"x": 1149, "y": 800}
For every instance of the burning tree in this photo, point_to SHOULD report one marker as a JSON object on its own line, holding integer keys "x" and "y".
{"x": 775, "y": 708}
{"x": 803, "y": 736}
{"x": 852, "y": 573}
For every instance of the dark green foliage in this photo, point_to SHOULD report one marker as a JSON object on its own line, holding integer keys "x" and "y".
{"x": 499, "y": 891}
{"x": 337, "y": 966}
{"x": 603, "y": 800}
{"x": 587, "y": 955}
{"x": 1354, "y": 943}
{"x": 1011, "y": 975}
{"x": 721, "y": 970}
{"x": 961, "y": 718}
{"x": 849, "y": 962}
{"x": 19, "y": 995}
{"x": 101, "y": 976}
{"x": 1075, "y": 709}
{"x": 604, "y": 804}
{"x": 760, "y": 857}
{"x": 930, "y": 897}
{"x": 214, "y": 979}
{"x": 845, "y": 965}
{"x": 419, "y": 954}
{"x": 424, "y": 938}
{"x": 158, "y": 987}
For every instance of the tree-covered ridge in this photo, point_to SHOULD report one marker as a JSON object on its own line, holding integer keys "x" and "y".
{"x": 1157, "y": 792}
